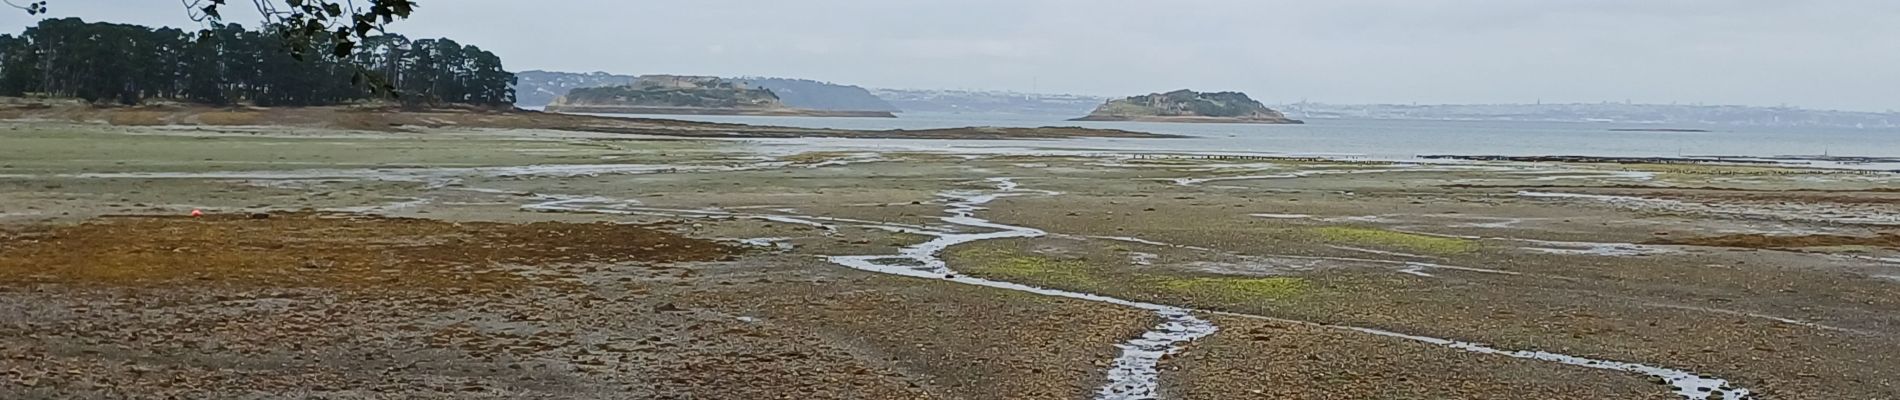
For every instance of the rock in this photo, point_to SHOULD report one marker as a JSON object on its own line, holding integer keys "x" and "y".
{"x": 667, "y": 307}
{"x": 260, "y": 215}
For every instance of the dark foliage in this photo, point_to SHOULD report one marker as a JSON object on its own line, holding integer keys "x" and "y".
{"x": 676, "y": 91}
{"x": 339, "y": 26}
{"x": 1213, "y": 104}
{"x": 228, "y": 64}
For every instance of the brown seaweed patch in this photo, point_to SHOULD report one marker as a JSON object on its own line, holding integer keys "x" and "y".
{"x": 314, "y": 250}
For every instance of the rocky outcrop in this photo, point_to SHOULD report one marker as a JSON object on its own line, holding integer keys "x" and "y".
{"x": 1188, "y": 106}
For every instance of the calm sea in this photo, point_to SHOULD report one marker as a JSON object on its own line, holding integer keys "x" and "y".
{"x": 1385, "y": 139}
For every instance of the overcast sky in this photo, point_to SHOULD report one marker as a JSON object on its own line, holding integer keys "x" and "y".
{"x": 1841, "y": 54}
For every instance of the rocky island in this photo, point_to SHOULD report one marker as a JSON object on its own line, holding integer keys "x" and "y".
{"x": 691, "y": 95}
{"x": 1188, "y": 106}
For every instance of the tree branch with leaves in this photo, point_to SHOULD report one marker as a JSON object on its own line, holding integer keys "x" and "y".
{"x": 345, "y": 23}
{"x": 316, "y": 41}
{"x": 341, "y": 26}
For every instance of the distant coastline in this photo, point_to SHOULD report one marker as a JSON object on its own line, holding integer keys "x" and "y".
{"x": 693, "y": 95}
{"x": 773, "y": 112}
{"x": 1657, "y": 130}
{"x": 1616, "y": 113}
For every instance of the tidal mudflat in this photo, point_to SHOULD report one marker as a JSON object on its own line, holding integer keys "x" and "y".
{"x": 545, "y": 264}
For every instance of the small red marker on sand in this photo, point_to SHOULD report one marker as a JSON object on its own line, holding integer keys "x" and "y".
{"x": 195, "y": 213}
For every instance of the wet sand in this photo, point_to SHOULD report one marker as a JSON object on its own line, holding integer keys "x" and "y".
{"x": 919, "y": 275}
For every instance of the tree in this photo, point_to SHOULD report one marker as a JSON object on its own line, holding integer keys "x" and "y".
{"x": 18, "y": 66}
{"x": 338, "y": 26}
{"x": 342, "y": 23}
{"x": 226, "y": 64}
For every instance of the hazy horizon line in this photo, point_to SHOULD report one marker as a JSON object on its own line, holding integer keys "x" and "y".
{"x": 1302, "y": 101}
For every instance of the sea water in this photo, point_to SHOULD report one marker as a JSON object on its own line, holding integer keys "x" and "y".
{"x": 1379, "y": 139}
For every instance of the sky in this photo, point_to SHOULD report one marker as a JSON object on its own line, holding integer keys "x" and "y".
{"x": 1833, "y": 54}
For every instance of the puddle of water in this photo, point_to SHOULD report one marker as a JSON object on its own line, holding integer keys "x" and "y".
{"x": 1282, "y": 216}
{"x": 1416, "y": 270}
{"x": 1496, "y": 223}
{"x": 1687, "y": 384}
{"x": 1386, "y": 253}
{"x": 1470, "y": 269}
{"x": 780, "y": 243}
{"x": 1140, "y": 258}
{"x": 1593, "y": 248}
{"x": 799, "y": 221}
{"x": 1148, "y": 242}
{"x": 1364, "y": 219}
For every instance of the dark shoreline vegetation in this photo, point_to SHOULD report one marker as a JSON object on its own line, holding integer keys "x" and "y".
{"x": 229, "y": 65}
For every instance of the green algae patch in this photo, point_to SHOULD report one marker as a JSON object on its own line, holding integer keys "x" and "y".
{"x": 1029, "y": 269}
{"x": 1232, "y": 289}
{"x": 1081, "y": 275}
{"x": 1398, "y": 240}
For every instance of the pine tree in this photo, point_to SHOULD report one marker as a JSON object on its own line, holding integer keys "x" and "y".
{"x": 228, "y": 64}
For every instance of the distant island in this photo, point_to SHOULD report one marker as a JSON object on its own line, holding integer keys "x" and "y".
{"x": 1188, "y": 106}
{"x": 818, "y": 95}
{"x": 690, "y": 95}
{"x": 540, "y": 88}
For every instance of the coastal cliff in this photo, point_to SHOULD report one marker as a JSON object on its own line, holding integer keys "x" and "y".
{"x": 1188, "y": 106}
